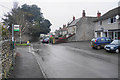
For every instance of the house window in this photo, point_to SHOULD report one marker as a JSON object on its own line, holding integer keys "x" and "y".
{"x": 112, "y": 20}
{"x": 100, "y": 23}
{"x": 105, "y": 34}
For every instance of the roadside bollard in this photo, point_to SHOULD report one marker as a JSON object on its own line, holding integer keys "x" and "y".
{"x": 28, "y": 42}
{"x": 53, "y": 40}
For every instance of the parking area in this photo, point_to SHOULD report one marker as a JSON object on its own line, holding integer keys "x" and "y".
{"x": 85, "y": 45}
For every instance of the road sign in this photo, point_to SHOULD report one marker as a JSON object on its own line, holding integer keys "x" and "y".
{"x": 16, "y": 27}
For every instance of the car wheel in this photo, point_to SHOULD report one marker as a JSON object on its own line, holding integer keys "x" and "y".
{"x": 98, "y": 47}
{"x": 93, "y": 47}
{"x": 117, "y": 50}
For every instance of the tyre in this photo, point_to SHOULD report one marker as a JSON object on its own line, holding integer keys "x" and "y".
{"x": 98, "y": 47}
{"x": 107, "y": 51}
{"x": 117, "y": 51}
{"x": 93, "y": 47}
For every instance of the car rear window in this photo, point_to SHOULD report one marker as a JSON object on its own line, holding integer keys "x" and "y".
{"x": 107, "y": 39}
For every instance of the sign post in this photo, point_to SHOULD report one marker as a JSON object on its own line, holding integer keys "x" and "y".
{"x": 13, "y": 35}
{"x": 16, "y": 27}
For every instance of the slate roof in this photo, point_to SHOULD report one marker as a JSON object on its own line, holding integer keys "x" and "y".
{"x": 73, "y": 23}
{"x": 109, "y": 14}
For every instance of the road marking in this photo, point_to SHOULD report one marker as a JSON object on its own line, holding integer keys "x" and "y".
{"x": 40, "y": 67}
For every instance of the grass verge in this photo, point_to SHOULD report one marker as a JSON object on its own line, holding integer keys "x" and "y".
{"x": 23, "y": 44}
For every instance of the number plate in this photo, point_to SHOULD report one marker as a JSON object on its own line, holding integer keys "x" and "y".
{"x": 108, "y": 49}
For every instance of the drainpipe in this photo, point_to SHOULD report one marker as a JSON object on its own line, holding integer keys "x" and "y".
{"x": 101, "y": 34}
{"x": 113, "y": 35}
{"x": 107, "y": 33}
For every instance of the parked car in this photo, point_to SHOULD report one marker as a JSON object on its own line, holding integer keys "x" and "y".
{"x": 45, "y": 40}
{"x": 114, "y": 46}
{"x": 100, "y": 42}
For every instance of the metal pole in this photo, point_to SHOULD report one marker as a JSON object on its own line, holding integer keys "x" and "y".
{"x": 107, "y": 33}
{"x": 13, "y": 35}
{"x": 13, "y": 51}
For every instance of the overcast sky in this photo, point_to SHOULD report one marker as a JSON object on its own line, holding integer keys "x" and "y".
{"x": 60, "y": 12}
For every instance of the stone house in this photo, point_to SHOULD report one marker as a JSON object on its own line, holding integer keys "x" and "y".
{"x": 64, "y": 30}
{"x": 61, "y": 32}
{"x": 108, "y": 25}
{"x": 72, "y": 26}
{"x": 84, "y": 28}
{"x": 57, "y": 33}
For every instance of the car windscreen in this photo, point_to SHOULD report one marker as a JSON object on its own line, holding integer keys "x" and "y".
{"x": 46, "y": 38}
{"x": 108, "y": 39}
{"x": 115, "y": 42}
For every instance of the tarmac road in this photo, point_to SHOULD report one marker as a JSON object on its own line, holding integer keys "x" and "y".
{"x": 66, "y": 62}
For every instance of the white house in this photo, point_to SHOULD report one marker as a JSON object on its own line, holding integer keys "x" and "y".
{"x": 108, "y": 25}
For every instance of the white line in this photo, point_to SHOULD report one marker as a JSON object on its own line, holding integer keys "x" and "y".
{"x": 44, "y": 75}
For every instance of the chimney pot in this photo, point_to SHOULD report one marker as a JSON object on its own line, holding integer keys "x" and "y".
{"x": 98, "y": 14}
{"x": 83, "y": 14}
{"x": 73, "y": 18}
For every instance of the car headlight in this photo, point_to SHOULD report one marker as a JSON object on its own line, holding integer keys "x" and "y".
{"x": 104, "y": 47}
{"x": 112, "y": 47}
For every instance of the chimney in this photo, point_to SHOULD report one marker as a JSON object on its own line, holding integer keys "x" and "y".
{"x": 64, "y": 25}
{"x": 83, "y": 14}
{"x": 73, "y": 18}
{"x": 98, "y": 14}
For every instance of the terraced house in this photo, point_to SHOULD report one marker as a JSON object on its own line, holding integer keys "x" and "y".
{"x": 108, "y": 25}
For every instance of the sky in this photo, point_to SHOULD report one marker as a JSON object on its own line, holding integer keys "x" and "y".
{"x": 60, "y": 12}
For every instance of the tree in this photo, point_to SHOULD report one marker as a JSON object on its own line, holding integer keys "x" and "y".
{"x": 31, "y": 18}
{"x": 4, "y": 33}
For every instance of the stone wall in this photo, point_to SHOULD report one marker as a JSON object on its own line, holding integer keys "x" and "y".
{"x": 72, "y": 38}
{"x": 85, "y": 29}
{"x": 7, "y": 56}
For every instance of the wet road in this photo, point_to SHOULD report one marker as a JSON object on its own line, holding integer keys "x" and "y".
{"x": 66, "y": 62}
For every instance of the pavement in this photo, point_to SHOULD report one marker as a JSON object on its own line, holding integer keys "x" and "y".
{"x": 26, "y": 65}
